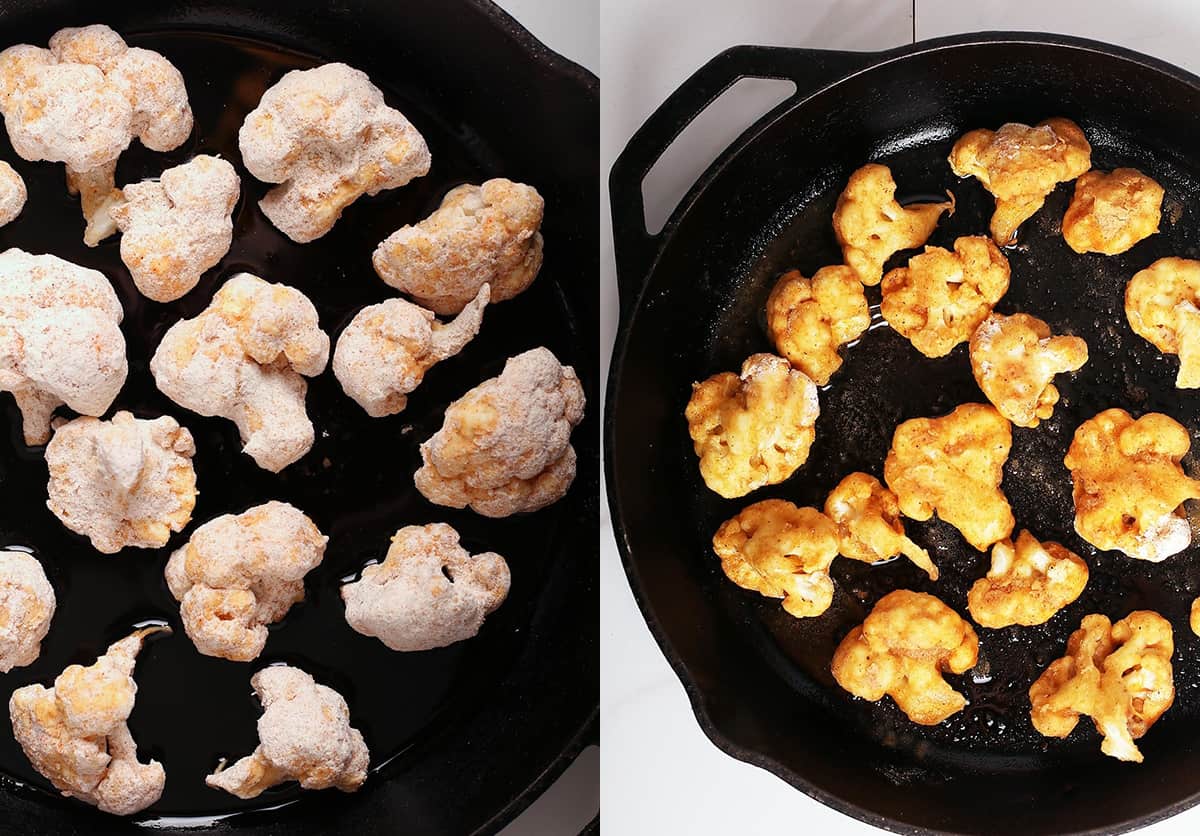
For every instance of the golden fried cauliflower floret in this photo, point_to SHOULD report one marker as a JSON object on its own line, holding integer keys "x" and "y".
{"x": 60, "y": 340}
{"x": 26, "y": 606}
{"x": 1162, "y": 303}
{"x": 1129, "y": 485}
{"x": 902, "y": 649}
{"x": 1111, "y": 212}
{"x": 1015, "y": 358}
{"x": 940, "y": 298}
{"x": 1194, "y": 617}
{"x": 1117, "y": 674}
{"x": 505, "y": 446}
{"x": 479, "y": 235}
{"x": 386, "y": 350}
{"x": 808, "y": 319}
{"x": 1027, "y": 583}
{"x": 869, "y": 526}
{"x": 12, "y": 193}
{"x": 1020, "y": 165}
{"x": 304, "y": 735}
{"x": 871, "y": 226}
{"x": 752, "y": 429}
{"x": 953, "y": 466}
{"x": 326, "y": 136}
{"x": 428, "y": 592}
{"x": 75, "y": 733}
{"x": 240, "y": 572}
{"x": 245, "y": 358}
{"x": 178, "y": 226}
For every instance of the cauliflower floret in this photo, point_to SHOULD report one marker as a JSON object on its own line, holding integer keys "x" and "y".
{"x": 386, "y": 350}
{"x": 244, "y": 358}
{"x": 780, "y": 551}
{"x": 177, "y": 227}
{"x": 239, "y": 573}
{"x": 327, "y": 137}
{"x": 953, "y": 465}
{"x": 1111, "y": 212}
{"x": 1117, "y": 674}
{"x": 869, "y": 525}
{"x": 26, "y": 606}
{"x": 124, "y": 482}
{"x": 1194, "y": 617}
{"x": 1014, "y": 359}
{"x": 807, "y": 319}
{"x": 479, "y": 235}
{"x": 304, "y": 735}
{"x": 505, "y": 446}
{"x": 752, "y": 429}
{"x": 1129, "y": 485}
{"x": 75, "y": 733}
{"x": 428, "y": 592}
{"x": 871, "y": 226}
{"x": 1162, "y": 304}
{"x": 1020, "y": 166}
{"x": 12, "y": 193}
{"x": 940, "y": 298}
{"x": 1027, "y": 583}
{"x": 902, "y": 649}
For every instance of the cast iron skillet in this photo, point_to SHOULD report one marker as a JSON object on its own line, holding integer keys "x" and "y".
{"x": 692, "y": 301}
{"x": 464, "y": 737}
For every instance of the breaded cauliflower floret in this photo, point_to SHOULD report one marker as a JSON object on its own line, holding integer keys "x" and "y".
{"x": 385, "y": 351}
{"x": 808, "y": 319}
{"x": 1020, "y": 166}
{"x": 752, "y": 429}
{"x": 780, "y": 551}
{"x": 75, "y": 733}
{"x": 1129, "y": 485}
{"x": 326, "y": 136}
{"x": 940, "y": 298}
{"x": 1162, "y": 304}
{"x": 871, "y": 226}
{"x": 953, "y": 465}
{"x": 1015, "y": 358}
{"x": 1111, "y": 212}
{"x": 304, "y": 735}
{"x": 60, "y": 340}
{"x": 245, "y": 358}
{"x": 12, "y": 193}
{"x": 178, "y": 226}
{"x": 505, "y": 446}
{"x": 869, "y": 525}
{"x": 239, "y": 573}
{"x": 428, "y": 592}
{"x": 26, "y": 606}
{"x": 902, "y": 649}
{"x": 1117, "y": 674}
{"x": 1027, "y": 583}
{"x": 479, "y": 235}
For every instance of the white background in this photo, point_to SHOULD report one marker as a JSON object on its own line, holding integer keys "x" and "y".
{"x": 659, "y": 774}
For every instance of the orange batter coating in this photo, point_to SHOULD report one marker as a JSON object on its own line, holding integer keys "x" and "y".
{"x": 1161, "y": 303}
{"x": 869, "y": 525}
{"x": 808, "y": 319}
{"x": 1027, "y": 583}
{"x": 1112, "y": 211}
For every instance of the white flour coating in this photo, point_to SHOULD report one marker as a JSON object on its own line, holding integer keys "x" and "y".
{"x": 124, "y": 482}
{"x": 304, "y": 735}
{"x": 385, "y": 351}
{"x": 12, "y": 193}
{"x": 26, "y": 606}
{"x": 243, "y": 359}
{"x": 480, "y": 234}
{"x": 327, "y": 137}
{"x": 505, "y": 446}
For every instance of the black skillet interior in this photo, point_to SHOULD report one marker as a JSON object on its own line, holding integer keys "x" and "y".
{"x": 463, "y": 737}
{"x": 759, "y": 678}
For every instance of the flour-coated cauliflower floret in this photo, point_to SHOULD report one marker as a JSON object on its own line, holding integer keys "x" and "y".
{"x": 428, "y": 592}
{"x": 479, "y": 235}
{"x": 869, "y": 526}
{"x": 1027, "y": 583}
{"x": 808, "y": 319}
{"x": 1111, "y": 212}
{"x": 871, "y": 226}
{"x": 304, "y": 735}
{"x": 1162, "y": 304}
{"x": 1020, "y": 165}
{"x": 26, "y": 606}
{"x": 953, "y": 466}
{"x": 1015, "y": 358}
{"x": 327, "y": 137}
{"x": 244, "y": 358}
{"x": 505, "y": 446}
{"x": 902, "y": 649}
{"x": 386, "y": 350}
{"x": 12, "y": 193}
{"x": 75, "y": 733}
{"x": 1117, "y": 674}
{"x": 940, "y": 298}
{"x": 1129, "y": 485}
